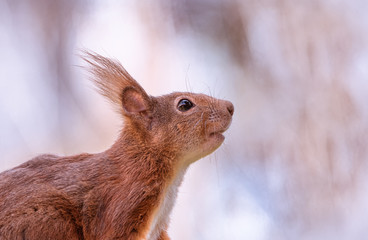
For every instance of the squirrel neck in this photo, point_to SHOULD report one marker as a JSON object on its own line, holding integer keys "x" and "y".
{"x": 138, "y": 154}
{"x": 145, "y": 178}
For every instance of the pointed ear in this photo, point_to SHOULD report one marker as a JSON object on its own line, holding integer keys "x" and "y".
{"x": 115, "y": 83}
{"x": 135, "y": 102}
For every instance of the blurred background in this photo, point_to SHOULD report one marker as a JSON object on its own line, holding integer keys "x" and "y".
{"x": 294, "y": 162}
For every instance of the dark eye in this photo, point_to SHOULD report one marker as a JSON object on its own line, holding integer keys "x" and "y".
{"x": 184, "y": 105}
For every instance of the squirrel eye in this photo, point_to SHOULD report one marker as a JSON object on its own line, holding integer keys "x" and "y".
{"x": 184, "y": 105}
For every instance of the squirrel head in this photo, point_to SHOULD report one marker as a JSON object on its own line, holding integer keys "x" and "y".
{"x": 188, "y": 125}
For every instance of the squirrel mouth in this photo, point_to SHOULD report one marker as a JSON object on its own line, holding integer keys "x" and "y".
{"x": 219, "y": 132}
{"x": 216, "y": 132}
{"x": 219, "y": 135}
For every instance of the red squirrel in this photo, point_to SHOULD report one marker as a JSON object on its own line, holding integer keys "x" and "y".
{"x": 128, "y": 191}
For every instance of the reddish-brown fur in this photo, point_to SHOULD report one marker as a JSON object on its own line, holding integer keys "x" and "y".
{"x": 127, "y": 191}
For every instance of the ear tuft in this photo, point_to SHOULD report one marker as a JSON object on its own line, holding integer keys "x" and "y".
{"x": 115, "y": 83}
{"x": 133, "y": 101}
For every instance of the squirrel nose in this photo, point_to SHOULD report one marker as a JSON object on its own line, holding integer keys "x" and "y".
{"x": 230, "y": 108}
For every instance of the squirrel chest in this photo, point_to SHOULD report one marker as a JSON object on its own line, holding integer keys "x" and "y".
{"x": 160, "y": 217}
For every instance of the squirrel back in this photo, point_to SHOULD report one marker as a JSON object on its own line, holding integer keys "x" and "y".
{"x": 128, "y": 191}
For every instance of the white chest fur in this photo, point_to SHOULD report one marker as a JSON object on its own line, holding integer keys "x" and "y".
{"x": 161, "y": 216}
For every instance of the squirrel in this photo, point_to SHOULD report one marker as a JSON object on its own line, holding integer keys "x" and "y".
{"x": 128, "y": 191}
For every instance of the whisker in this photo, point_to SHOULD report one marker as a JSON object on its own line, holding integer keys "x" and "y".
{"x": 209, "y": 90}
{"x": 201, "y": 119}
{"x": 217, "y": 170}
{"x": 210, "y": 104}
{"x": 187, "y": 83}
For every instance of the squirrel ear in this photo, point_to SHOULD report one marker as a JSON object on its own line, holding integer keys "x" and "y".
{"x": 115, "y": 83}
{"x": 133, "y": 101}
